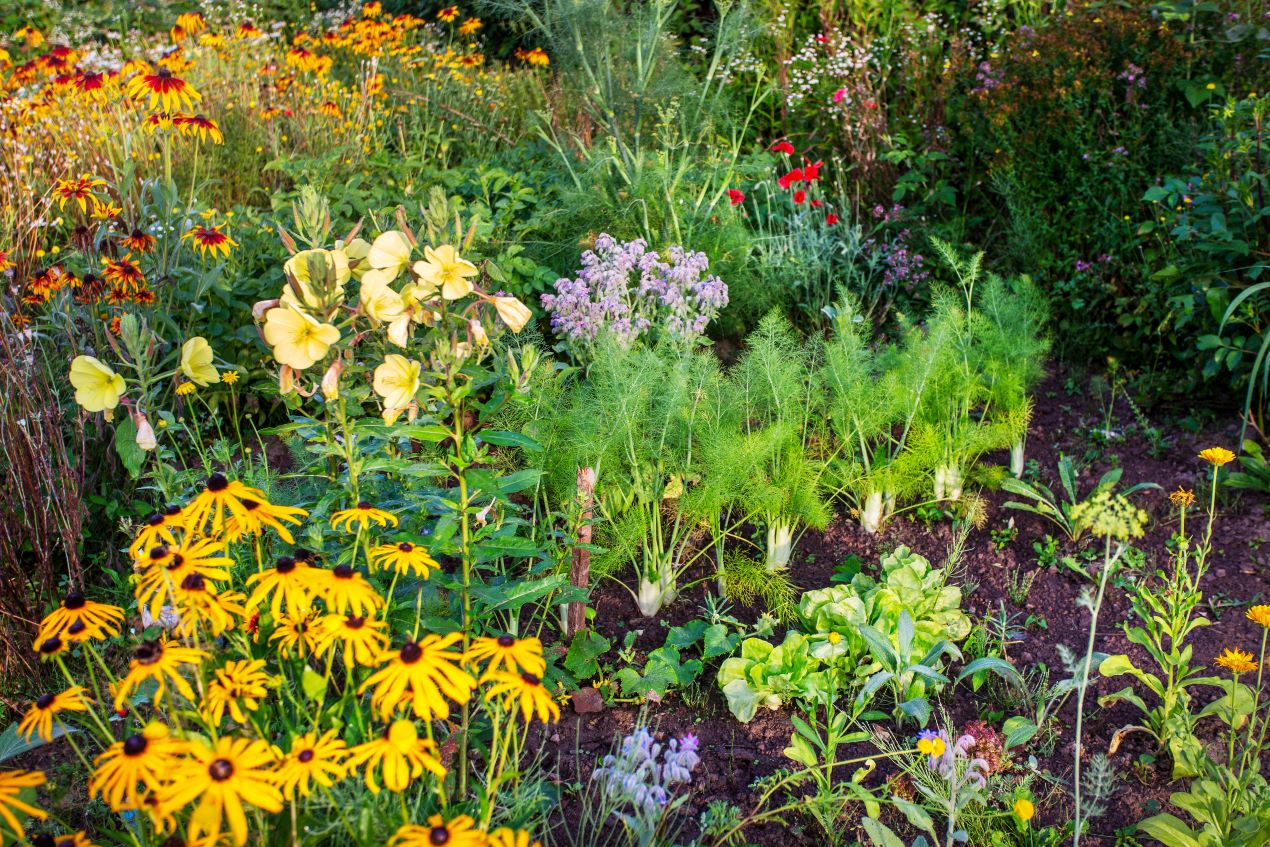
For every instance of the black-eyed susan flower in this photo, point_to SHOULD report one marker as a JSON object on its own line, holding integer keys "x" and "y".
{"x": 458, "y": 831}
{"x": 239, "y": 686}
{"x": 1260, "y": 615}
{"x": 79, "y": 189}
{"x": 507, "y": 837}
{"x": 507, "y": 653}
{"x": 1236, "y": 661}
{"x": 220, "y": 497}
{"x": 12, "y": 783}
{"x": 261, "y": 515}
{"x": 223, "y": 779}
{"x": 158, "y": 121}
{"x": 469, "y": 26}
{"x": 1217, "y": 456}
{"x": 203, "y": 127}
{"x": 210, "y": 239}
{"x": 361, "y": 638}
{"x": 161, "y": 661}
{"x": 75, "y": 839}
{"x": 296, "y": 633}
{"x": 312, "y": 760}
{"x": 123, "y": 273}
{"x": 421, "y": 675}
{"x": 38, "y": 720}
{"x": 99, "y": 620}
{"x": 192, "y": 22}
{"x": 399, "y": 753}
{"x": 163, "y": 91}
{"x": 403, "y": 557}
{"x": 162, "y": 570}
{"x": 157, "y": 530}
{"x": 138, "y": 242}
{"x": 289, "y": 582}
{"x": 448, "y": 14}
{"x": 50, "y": 647}
{"x": 200, "y": 606}
{"x": 346, "y": 590}
{"x": 144, "y": 759}
{"x": 525, "y": 690}
{"x": 363, "y": 515}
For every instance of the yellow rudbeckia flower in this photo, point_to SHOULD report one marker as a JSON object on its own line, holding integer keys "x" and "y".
{"x": 298, "y": 340}
{"x": 196, "y": 361}
{"x": 97, "y": 386}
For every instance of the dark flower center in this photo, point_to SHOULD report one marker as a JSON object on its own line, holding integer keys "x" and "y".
{"x": 176, "y": 562}
{"x": 171, "y": 512}
{"x": 194, "y": 582}
{"x": 530, "y": 679}
{"x": 45, "y": 700}
{"x": 74, "y": 600}
{"x": 285, "y": 564}
{"x": 505, "y": 641}
{"x": 363, "y": 505}
{"x": 148, "y": 652}
{"x": 51, "y": 646}
{"x": 410, "y": 653}
{"x": 343, "y": 572}
{"x": 305, "y": 756}
{"x": 439, "y": 835}
{"x": 250, "y": 505}
{"x": 217, "y": 482}
{"x": 303, "y": 555}
{"x": 158, "y": 551}
{"x": 354, "y": 622}
{"x": 43, "y": 840}
{"x": 155, "y": 519}
{"x": 405, "y": 547}
{"x": 135, "y": 745}
{"x": 77, "y": 627}
{"x": 164, "y": 73}
{"x": 221, "y": 770}
{"x": 173, "y": 841}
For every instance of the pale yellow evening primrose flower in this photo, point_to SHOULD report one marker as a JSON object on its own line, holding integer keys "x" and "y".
{"x": 380, "y": 303}
{"x": 297, "y": 339}
{"x": 196, "y": 362}
{"x": 389, "y": 254}
{"x": 97, "y": 386}
{"x": 312, "y": 294}
{"x": 397, "y": 380}
{"x": 445, "y": 270}
{"x": 513, "y": 312}
{"x": 356, "y": 251}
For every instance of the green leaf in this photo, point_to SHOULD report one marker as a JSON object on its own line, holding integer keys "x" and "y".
{"x": 800, "y": 751}
{"x": 509, "y": 439}
{"x": 1018, "y": 730}
{"x": 513, "y": 546}
{"x": 1170, "y": 831}
{"x": 313, "y": 684}
{"x": 515, "y": 594}
{"x": 880, "y": 834}
{"x": 586, "y": 648}
{"x": 132, "y": 456}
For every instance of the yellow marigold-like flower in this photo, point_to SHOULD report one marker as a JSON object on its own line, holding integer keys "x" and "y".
{"x": 90, "y": 620}
{"x": 224, "y": 779}
{"x": 80, "y": 190}
{"x": 423, "y": 675}
{"x": 220, "y": 497}
{"x": 185, "y": 389}
{"x": 400, "y": 753}
{"x": 1110, "y": 515}
{"x": 39, "y": 718}
{"x": 160, "y": 661}
{"x": 298, "y": 340}
{"x": 506, "y": 837}
{"x": 165, "y": 92}
{"x": 1024, "y": 809}
{"x": 526, "y": 690}
{"x": 1236, "y": 661}
{"x": 239, "y": 687}
{"x": 11, "y": 785}
{"x": 1182, "y": 498}
{"x": 97, "y": 387}
{"x": 445, "y": 271}
{"x": 507, "y": 653}
{"x": 363, "y": 638}
{"x": 229, "y": 377}
{"x": 1260, "y": 615}
{"x": 459, "y": 831}
{"x": 403, "y": 557}
{"x": 346, "y": 590}
{"x": 1217, "y": 456}
{"x": 210, "y": 239}
{"x": 289, "y": 581}
{"x": 145, "y": 758}
{"x": 312, "y": 760}
{"x": 196, "y": 361}
{"x": 396, "y": 381}
{"x": 363, "y": 515}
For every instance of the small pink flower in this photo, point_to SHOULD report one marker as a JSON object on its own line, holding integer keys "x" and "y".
{"x": 839, "y": 95}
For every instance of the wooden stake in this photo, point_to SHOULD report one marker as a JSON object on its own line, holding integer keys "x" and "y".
{"x": 580, "y": 573}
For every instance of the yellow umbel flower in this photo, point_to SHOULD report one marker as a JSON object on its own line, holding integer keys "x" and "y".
{"x": 1110, "y": 515}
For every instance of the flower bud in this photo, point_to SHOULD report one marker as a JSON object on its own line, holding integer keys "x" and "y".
{"x": 145, "y": 433}
{"x": 331, "y": 380}
{"x": 513, "y": 312}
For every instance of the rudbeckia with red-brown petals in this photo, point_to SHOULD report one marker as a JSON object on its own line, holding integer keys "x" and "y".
{"x": 200, "y": 125}
{"x": 124, "y": 274}
{"x": 209, "y": 239}
{"x": 164, "y": 91}
{"x": 80, "y": 190}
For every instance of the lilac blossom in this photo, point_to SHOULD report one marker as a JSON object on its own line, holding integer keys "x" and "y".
{"x": 626, "y": 291}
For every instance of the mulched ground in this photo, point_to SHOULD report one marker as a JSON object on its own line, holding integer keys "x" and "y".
{"x": 1072, "y": 422}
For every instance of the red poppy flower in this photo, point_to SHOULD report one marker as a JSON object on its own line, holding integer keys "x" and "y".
{"x": 811, "y": 172}
{"x": 831, "y": 219}
{"x": 737, "y": 197}
{"x": 783, "y": 147}
{"x": 796, "y": 175}
{"x": 800, "y": 196}
{"x": 816, "y": 204}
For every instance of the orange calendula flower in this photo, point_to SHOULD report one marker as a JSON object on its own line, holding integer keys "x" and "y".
{"x": 210, "y": 239}
{"x": 1217, "y": 456}
{"x": 164, "y": 91}
{"x": 1236, "y": 661}
{"x": 200, "y": 125}
{"x": 1260, "y": 615}
{"x": 80, "y": 190}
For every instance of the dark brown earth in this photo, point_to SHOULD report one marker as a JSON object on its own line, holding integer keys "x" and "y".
{"x": 1067, "y": 422}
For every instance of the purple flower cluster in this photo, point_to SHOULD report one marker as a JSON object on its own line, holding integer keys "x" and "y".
{"x": 643, "y": 773}
{"x": 626, "y": 291}
{"x": 987, "y": 78}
